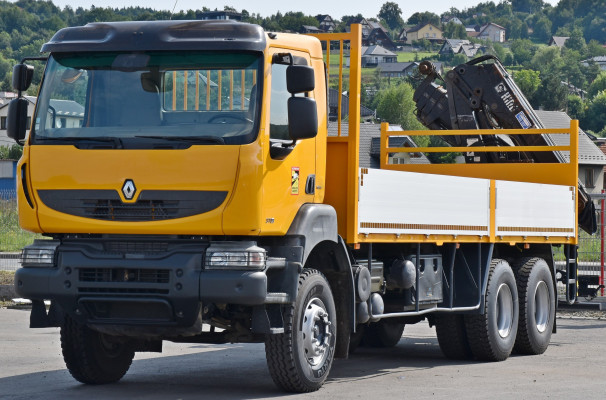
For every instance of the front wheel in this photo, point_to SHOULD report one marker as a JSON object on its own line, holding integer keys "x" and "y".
{"x": 300, "y": 358}
{"x": 92, "y": 357}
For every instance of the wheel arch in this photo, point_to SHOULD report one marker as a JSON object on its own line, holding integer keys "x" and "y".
{"x": 334, "y": 261}
{"x": 326, "y": 251}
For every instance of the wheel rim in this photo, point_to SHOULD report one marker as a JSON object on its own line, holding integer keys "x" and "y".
{"x": 504, "y": 310}
{"x": 542, "y": 306}
{"x": 316, "y": 333}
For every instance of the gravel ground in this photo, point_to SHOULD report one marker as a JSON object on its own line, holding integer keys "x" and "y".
{"x": 589, "y": 314}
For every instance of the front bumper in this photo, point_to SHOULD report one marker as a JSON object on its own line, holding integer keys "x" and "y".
{"x": 164, "y": 289}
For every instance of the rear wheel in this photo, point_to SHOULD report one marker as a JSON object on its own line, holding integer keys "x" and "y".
{"x": 537, "y": 306}
{"x": 300, "y": 358}
{"x": 452, "y": 336}
{"x": 492, "y": 334}
{"x": 384, "y": 333}
{"x": 92, "y": 357}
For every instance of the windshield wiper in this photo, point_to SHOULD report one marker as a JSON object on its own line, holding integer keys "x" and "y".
{"x": 196, "y": 139}
{"x": 115, "y": 140}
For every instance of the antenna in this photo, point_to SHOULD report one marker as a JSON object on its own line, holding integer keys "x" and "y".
{"x": 173, "y": 11}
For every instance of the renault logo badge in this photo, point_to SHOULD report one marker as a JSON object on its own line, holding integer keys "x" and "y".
{"x": 129, "y": 189}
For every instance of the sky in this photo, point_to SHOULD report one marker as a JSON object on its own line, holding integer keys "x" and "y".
{"x": 335, "y": 8}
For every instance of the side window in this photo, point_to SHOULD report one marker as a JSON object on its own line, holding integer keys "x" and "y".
{"x": 278, "y": 113}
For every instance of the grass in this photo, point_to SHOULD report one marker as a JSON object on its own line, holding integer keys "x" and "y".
{"x": 409, "y": 57}
{"x": 7, "y": 277}
{"x": 12, "y": 237}
{"x": 589, "y": 248}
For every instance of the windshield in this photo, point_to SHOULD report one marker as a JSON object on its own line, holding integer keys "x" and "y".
{"x": 141, "y": 100}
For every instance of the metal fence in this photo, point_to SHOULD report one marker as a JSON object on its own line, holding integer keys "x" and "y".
{"x": 591, "y": 254}
{"x": 591, "y": 247}
{"x": 12, "y": 237}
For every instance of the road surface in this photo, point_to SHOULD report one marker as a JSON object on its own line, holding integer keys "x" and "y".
{"x": 31, "y": 367}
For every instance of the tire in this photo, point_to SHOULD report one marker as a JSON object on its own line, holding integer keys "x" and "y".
{"x": 536, "y": 296}
{"x": 382, "y": 334}
{"x": 452, "y": 336}
{"x": 299, "y": 359}
{"x": 492, "y": 335}
{"x": 92, "y": 357}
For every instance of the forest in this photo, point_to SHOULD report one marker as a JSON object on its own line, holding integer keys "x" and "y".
{"x": 552, "y": 78}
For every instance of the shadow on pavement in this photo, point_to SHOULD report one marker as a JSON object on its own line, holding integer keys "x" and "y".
{"x": 235, "y": 372}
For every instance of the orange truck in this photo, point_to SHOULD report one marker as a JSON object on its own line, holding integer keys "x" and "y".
{"x": 187, "y": 189}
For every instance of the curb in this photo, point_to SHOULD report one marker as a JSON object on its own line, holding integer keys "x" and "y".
{"x": 583, "y": 306}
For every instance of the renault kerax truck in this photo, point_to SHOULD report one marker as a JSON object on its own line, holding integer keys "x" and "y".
{"x": 185, "y": 188}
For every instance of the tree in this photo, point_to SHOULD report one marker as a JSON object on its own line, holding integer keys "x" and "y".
{"x": 459, "y": 59}
{"x": 552, "y": 95}
{"x": 496, "y": 49}
{"x": 576, "y": 41}
{"x": 426, "y": 17}
{"x": 293, "y": 21}
{"x": 423, "y": 44}
{"x": 348, "y": 20}
{"x": 595, "y": 116}
{"x": 11, "y": 152}
{"x": 514, "y": 30}
{"x": 528, "y": 81}
{"x": 571, "y": 69}
{"x": 526, "y": 6}
{"x": 523, "y": 50}
{"x": 392, "y": 14}
{"x": 576, "y": 107}
{"x": 396, "y": 106}
{"x": 547, "y": 59}
{"x": 454, "y": 31}
{"x": 598, "y": 85}
{"x": 542, "y": 29}
{"x": 595, "y": 49}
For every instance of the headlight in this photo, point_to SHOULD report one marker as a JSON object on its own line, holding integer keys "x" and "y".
{"x": 39, "y": 254}
{"x": 235, "y": 255}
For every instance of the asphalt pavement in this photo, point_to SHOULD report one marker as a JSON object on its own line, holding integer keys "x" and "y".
{"x": 31, "y": 367}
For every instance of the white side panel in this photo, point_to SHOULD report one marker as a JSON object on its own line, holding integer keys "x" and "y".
{"x": 532, "y": 209}
{"x": 398, "y": 202}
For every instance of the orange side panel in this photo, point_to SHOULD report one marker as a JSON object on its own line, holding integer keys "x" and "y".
{"x": 336, "y": 181}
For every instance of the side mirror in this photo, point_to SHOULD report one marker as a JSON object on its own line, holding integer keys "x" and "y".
{"x": 16, "y": 120}
{"x": 302, "y": 118}
{"x": 300, "y": 79}
{"x": 302, "y": 111}
{"x": 22, "y": 77}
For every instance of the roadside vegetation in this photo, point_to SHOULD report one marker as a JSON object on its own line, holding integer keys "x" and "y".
{"x": 7, "y": 277}
{"x": 12, "y": 237}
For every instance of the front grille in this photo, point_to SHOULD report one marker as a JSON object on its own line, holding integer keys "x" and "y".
{"x": 136, "y": 247}
{"x": 129, "y": 275}
{"x": 115, "y": 210}
{"x": 152, "y": 205}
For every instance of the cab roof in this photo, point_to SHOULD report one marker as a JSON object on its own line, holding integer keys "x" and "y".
{"x": 158, "y": 35}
